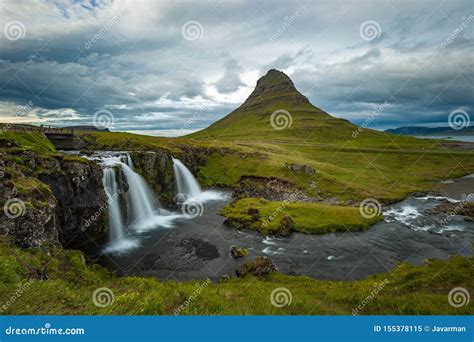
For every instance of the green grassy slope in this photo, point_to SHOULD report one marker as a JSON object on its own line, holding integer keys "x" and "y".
{"x": 34, "y": 282}
{"x": 301, "y": 123}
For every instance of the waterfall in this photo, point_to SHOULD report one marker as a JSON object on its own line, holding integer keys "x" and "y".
{"x": 186, "y": 184}
{"x": 188, "y": 189}
{"x": 115, "y": 216}
{"x": 142, "y": 201}
{"x": 130, "y": 162}
{"x": 144, "y": 211}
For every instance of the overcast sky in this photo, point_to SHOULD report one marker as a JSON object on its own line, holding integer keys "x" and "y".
{"x": 178, "y": 66}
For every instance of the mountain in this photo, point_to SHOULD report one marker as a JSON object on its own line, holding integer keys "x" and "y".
{"x": 421, "y": 130}
{"x": 277, "y": 110}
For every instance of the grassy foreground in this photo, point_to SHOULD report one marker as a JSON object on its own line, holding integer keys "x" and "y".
{"x": 33, "y": 282}
{"x": 314, "y": 218}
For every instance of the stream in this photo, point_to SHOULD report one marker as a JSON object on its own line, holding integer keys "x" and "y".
{"x": 198, "y": 246}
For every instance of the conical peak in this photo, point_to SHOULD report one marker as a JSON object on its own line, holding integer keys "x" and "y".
{"x": 274, "y": 76}
{"x": 274, "y": 85}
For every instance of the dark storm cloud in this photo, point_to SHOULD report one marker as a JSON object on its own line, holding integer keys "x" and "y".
{"x": 131, "y": 58}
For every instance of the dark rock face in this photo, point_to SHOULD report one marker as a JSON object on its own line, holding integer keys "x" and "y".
{"x": 33, "y": 227}
{"x": 82, "y": 203}
{"x": 65, "y": 203}
{"x": 259, "y": 267}
{"x": 157, "y": 169}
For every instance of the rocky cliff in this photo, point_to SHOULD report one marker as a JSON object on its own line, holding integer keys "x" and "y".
{"x": 51, "y": 199}
{"x": 157, "y": 169}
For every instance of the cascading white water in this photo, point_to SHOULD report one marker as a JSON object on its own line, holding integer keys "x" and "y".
{"x": 185, "y": 182}
{"x": 130, "y": 162}
{"x": 144, "y": 210}
{"x": 143, "y": 204}
{"x": 116, "y": 227}
{"x": 188, "y": 189}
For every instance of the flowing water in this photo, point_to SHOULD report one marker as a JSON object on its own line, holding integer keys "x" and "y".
{"x": 200, "y": 247}
{"x": 186, "y": 184}
{"x": 116, "y": 228}
{"x": 144, "y": 205}
{"x": 139, "y": 205}
{"x": 146, "y": 239}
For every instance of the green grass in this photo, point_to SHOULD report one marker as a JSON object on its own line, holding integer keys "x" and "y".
{"x": 35, "y": 142}
{"x": 346, "y": 174}
{"x": 343, "y": 171}
{"x": 70, "y": 283}
{"x": 314, "y": 218}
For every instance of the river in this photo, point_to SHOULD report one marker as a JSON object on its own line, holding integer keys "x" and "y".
{"x": 200, "y": 247}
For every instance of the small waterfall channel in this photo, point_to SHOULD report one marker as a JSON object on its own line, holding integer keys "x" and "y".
{"x": 132, "y": 206}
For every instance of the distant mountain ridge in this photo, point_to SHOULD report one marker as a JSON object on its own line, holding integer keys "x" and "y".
{"x": 422, "y": 130}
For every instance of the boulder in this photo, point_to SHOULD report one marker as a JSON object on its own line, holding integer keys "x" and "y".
{"x": 286, "y": 226}
{"x": 238, "y": 252}
{"x": 259, "y": 267}
{"x": 301, "y": 168}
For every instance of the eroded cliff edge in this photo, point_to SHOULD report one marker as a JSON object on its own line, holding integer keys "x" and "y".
{"x": 52, "y": 199}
